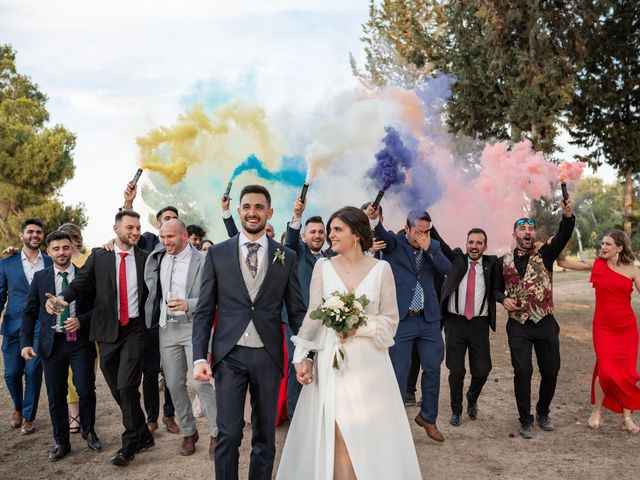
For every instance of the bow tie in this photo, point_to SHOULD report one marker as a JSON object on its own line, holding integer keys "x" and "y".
{"x": 522, "y": 253}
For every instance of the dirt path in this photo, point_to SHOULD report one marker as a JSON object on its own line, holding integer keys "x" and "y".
{"x": 487, "y": 448}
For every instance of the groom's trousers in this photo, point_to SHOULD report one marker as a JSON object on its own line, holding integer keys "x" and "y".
{"x": 243, "y": 368}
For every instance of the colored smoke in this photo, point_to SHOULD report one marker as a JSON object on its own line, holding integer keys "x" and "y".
{"x": 391, "y": 162}
{"x": 289, "y": 176}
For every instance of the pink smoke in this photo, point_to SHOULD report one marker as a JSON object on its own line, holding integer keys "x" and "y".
{"x": 508, "y": 180}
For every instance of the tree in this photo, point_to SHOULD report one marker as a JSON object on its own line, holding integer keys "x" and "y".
{"x": 514, "y": 67}
{"x": 404, "y": 42}
{"x": 604, "y": 114}
{"x": 35, "y": 160}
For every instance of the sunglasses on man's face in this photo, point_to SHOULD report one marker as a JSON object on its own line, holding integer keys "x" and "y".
{"x": 526, "y": 221}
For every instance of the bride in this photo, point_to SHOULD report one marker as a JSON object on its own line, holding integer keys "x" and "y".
{"x": 349, "y": 423}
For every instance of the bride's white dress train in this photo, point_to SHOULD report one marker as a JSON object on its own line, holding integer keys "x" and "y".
{"x": 362, "y": 397}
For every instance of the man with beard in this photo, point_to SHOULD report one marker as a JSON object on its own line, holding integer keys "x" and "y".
{"x": 16, "y": 274}
{"x": 64, "y": 341}
{"x": 309, "y": 250}
{"x": 247, "y": 279}
{"x": 468, "y": 310}
{"x": 230, "y": 224}
{"x": 523, "y": 285}
{"x": 117, "y": 324}
{"x": 151, "y": 362}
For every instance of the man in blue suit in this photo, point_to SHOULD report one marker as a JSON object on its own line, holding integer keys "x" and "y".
{"x": 16, "y": 273}
{"x": 64, "y": 342}
{"x": 415, "y": 258}
{"x": 308, "y": 247}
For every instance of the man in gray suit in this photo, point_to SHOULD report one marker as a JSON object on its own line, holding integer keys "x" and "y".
{"x": 173, "y": 272}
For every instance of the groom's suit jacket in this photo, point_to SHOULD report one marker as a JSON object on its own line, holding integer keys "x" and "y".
{"x": 223, "y": 287}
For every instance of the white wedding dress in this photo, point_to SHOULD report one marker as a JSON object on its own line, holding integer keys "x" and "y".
{"x": 362, "y": 397}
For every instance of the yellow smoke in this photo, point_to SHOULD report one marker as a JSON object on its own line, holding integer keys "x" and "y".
{"x": 223, "y": 140}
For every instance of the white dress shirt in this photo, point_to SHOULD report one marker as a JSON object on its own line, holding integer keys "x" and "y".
{"x": 71, "y": 274}
{"x": 462, "y": 292}
{"x": 179, "y": 264}
{"x": 31, "y": 268}
{"x": 132, "y": 281}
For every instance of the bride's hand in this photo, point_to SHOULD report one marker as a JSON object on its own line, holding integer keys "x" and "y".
{"x": 342, "y": 338}
{"x": 304, "y": 371}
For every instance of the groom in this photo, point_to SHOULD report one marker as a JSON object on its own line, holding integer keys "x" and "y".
{"x": 247, "y": 279}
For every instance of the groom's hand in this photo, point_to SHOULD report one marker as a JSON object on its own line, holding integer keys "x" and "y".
{"x": 202, "y": 372}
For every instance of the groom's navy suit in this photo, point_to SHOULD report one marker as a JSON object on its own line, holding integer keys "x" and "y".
{"x": 421, "y": 327}
{"x": 237, "y": 367}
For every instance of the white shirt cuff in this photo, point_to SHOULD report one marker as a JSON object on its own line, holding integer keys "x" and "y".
{"x": 201, "y": 360}
{"x": 296, "y": 223}
{"x": 226, "y": 214}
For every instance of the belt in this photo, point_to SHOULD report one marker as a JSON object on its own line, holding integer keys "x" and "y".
{"x": 415, "y": 313}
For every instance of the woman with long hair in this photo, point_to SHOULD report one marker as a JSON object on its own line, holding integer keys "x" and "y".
{"x": 615, "y": 379}
{"x": 349, "y": 422}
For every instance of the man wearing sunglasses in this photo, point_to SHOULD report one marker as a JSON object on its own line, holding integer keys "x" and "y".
{"x": 523, "y": 284}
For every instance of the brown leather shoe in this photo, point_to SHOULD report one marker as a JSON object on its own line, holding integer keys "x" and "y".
{"x": 152, "y": 426}
{"x": 27, "y": 428}
{"x": 431, "y": 429}
{"x": 16, "y": 419}
{"x": 189, "y": 445}
{"x": 170, "y": 423}
{"x": 212, "y": 447}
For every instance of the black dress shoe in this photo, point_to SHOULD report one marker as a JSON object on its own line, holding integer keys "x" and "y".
{"x": 472, "y": 411}
{"x": 146, "y": 444}
{"x": 120, "y": 459}
{"x": 456, "y": 420}
{"x": 93, "y": 442}
{"x": 59, "y": 452}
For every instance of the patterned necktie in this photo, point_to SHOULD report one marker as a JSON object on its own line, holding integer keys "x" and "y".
{"x": 317, "y": 255}
{"x": 417, "y": 302}
{"x": 470, "y": 297}
{"x": 252, "y": 258}
{"x": 123, "y": 295}
{"x": 64, "y": 316}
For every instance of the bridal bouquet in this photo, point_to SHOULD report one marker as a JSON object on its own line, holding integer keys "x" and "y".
{"x": 341, "y": 312}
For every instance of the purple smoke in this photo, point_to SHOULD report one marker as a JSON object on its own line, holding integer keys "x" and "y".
{"x": 391, "y": 161}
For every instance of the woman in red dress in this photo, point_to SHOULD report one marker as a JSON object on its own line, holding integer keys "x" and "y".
{"x": 615, "y": 329}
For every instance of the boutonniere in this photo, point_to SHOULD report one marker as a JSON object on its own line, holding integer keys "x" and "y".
{"x": 278, "y": 255}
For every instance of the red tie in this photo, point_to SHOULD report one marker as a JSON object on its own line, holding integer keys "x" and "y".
{"x": 123, "y": 293}
{"x": 470, "y": 298}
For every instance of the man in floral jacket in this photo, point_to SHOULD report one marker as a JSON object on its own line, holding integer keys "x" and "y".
{"x": 523, "y": 284}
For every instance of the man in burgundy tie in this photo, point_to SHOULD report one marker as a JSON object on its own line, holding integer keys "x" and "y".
{"x": 468, "y": 310}
{"x": 114, "y": 279}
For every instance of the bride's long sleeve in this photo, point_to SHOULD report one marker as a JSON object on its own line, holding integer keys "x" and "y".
{"x": 382, "y": 326}
{"x": 310, "y": 336}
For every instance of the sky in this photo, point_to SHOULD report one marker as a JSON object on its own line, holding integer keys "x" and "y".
{"x": 114, "y": 70}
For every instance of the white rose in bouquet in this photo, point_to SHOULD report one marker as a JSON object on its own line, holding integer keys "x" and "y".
{"x": 358, "y": 306}
{"x": 334, "y": 303}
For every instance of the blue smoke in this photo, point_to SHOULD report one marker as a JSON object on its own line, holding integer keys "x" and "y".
{"x": 293, "y": 171}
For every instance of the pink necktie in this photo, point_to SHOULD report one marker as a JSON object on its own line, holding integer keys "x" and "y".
{"x": 469, "y": 300}
{"x": 122, "y": 293}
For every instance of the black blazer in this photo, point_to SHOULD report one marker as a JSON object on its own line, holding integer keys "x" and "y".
{"x": 459, "y": 267}
{"x": 99, "y": 274}
{"x": 34, "y": 312}
{"x": 223, "y": 288}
